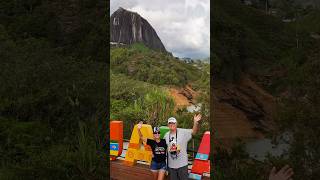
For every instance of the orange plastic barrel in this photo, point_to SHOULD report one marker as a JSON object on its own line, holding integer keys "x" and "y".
{"x": 116, "y": 134}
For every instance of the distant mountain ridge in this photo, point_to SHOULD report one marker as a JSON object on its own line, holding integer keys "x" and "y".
{"x": 128, "y": 27}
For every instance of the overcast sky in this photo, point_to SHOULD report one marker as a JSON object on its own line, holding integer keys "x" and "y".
{"x": 182, "y": 25}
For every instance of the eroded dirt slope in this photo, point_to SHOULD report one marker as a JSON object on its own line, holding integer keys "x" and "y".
{"x": 183, "y": 96}
{"x": 241, "y": 110}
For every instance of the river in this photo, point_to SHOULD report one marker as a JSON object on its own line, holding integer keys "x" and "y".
{"x": 194, "y": 107}
{"x": 259, "y": 148}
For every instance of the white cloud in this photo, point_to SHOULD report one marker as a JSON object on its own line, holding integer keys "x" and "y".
{"x": 182, "y": 25}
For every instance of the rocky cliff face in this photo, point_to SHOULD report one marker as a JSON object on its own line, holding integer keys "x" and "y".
{"x": 129, "y": 27}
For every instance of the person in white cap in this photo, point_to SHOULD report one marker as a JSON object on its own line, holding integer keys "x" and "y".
{"x": 177, "y": 141}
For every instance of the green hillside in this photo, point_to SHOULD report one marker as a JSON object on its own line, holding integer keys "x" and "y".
{"x": 144, "y": 64}
{"x": 246, "y": 39}
{"x": 283, "y": 58}
{"x": 310, "y": 22}
{"x": 132, "y": 101}
{"x": 53, "y": 75}
{"x": 140, "y": 80}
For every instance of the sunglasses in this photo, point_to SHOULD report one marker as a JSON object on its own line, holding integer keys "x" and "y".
{"x": 156, "y": 133}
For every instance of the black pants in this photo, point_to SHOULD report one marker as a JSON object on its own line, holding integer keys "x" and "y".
{"x": 179, "y": 173}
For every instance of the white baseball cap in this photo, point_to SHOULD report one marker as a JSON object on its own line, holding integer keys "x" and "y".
{"x": 172, "y": 120}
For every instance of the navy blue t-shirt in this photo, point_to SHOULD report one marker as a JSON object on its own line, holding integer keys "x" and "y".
{"x": 158, "y": 149}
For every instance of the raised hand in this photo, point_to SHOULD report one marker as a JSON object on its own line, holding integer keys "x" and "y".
{"x": 197, "y": 118}
{"x": 284, "y": 174}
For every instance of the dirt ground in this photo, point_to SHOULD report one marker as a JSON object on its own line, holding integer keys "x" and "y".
{"x": 183, "y": 97}
{"x": 242, "y": 110}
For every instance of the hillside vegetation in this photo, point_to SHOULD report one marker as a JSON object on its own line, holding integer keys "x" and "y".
{"x": 309, "y": 22}
{"x": 144, "y": 64}
{"x": 53, "y": 75}
{"x": 246, "y": 40}
{"x": 140, "y": 83}
{"x": 282, "y": 58}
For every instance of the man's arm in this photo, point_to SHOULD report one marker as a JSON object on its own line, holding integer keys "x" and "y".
{"x": 196, "y": 119}
{"x": 144, "y": 140}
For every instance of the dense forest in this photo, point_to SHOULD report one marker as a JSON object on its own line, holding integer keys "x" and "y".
{"x": 53, "y": 74}
{"x": 282, "y": 57}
